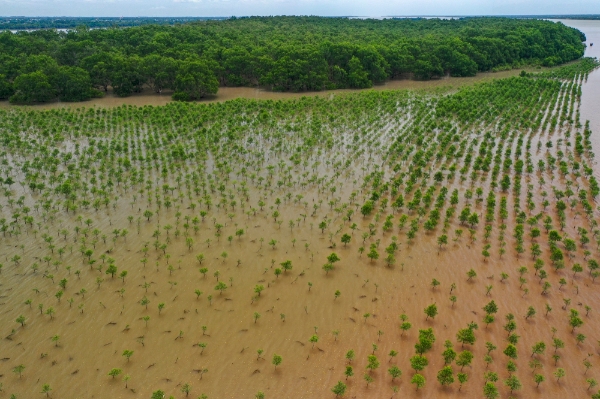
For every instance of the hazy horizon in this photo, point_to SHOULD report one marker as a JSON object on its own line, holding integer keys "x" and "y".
{"x": 226, "y": 8}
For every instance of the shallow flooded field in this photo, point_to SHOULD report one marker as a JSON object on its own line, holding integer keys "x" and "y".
{"x": 193, "y": 244}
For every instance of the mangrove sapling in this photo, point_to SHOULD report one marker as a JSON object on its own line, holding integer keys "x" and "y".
{"x": 471, "y": 274}
{"x": 158, "y": 395}
{"x": 431, "y": 311}
{"x": 530, "y": 312}
{"x": 186, "y": 388}
{"x": 349, "y": 372}
{"x": 490, "y": 391}
{"x": 464, "y": 359}
{"x": 449, "y": 354}
{"x": 221, "y": 286}
{"x": 335, "y": 334}
{"x": 418, "y": 362}
{"x": 339, "y": 389}
{"x": 127, "y": 354}
{"x": 368, "y": 379}
{"x": 490, "y": 347}
{"x": 490, "y": 376}
{"x": 511, "y": 351}
{"x": 587, "y": 364}
{"x": 512, "y": 383}
{"x": 418, "y": 380}
{"x": 462, "y": 378}
{"x": 559, "y": 373}
{"x": 18, "y": 369}
{"x": 538, "y": 379}
{"x": 487, "y": 359}
{"x": 394, "y": 372}
{"x": 538, "y": 348}
{"x": 445, "y": 376}
{"x": 466, "y": 336}
{"x": 115, "y": 372}
{"x": 46, "y": 389}
{"x": 276, "y": 360}
{"x": 350, "y": 356}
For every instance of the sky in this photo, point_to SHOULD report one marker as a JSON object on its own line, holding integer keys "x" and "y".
{"x": 212, "y": 8}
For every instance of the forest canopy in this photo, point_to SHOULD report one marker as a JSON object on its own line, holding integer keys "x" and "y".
{"x": 279, "y": 53}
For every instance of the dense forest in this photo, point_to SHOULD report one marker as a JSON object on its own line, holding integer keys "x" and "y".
{"x": 279, "y": 53}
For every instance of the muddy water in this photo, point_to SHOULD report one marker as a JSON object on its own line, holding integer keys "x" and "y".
{"x": 148, "y": 97}
{"x": 590, "y": 97}
{"x": 91, "y": 343}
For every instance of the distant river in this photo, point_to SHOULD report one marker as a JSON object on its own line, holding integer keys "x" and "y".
{"x": 590, "y": 97}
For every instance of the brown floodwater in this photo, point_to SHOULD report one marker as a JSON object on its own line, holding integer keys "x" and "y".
{"x": 92, "y": 342}
{"x": 590, "y": 91}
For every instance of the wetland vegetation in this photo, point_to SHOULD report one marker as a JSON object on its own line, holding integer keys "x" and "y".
{"x": 377, "y": 244}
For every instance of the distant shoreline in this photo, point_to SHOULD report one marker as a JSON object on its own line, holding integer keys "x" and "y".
{"x": 23, "y": 23}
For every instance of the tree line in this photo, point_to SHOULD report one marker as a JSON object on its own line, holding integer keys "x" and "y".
{"x": 279, "y": 53}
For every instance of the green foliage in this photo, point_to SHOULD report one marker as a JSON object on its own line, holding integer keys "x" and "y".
{"x": 158, "y": 395}
{"x": 194, "y": 81}
{"x": 431, "y": 311}
{"x": 339, "y": 389}
{"x": 418, "y": 380}
{"x": 464, "y": 359}
{"x": 445, "y": 376}
{"x": 511, "y": 351}
{"x": 418, "y": 362}
{"x": 283, "y": 53}
{"x": 513, "y": 383}
{"x": 6, "y": 87}
{"x": 490, "y": 391}
{"x": 114, "y": 372}
{"x": 373, "y": 362}
{"x": 31, "y": 88}
{"x": 426, "y": 341}
{"x": 395, "y": 372}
